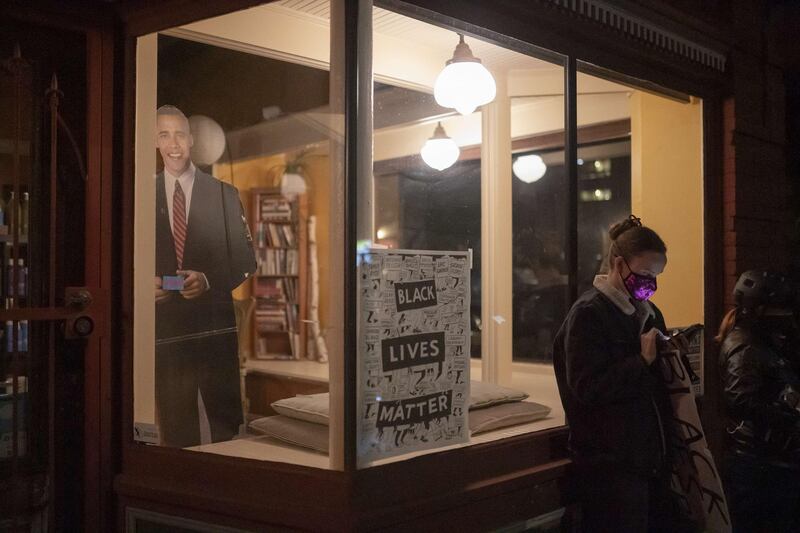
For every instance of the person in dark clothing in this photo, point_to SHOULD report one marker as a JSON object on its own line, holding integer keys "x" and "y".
{"x": 761, "y": 390}
{"x": 616, "y": 403}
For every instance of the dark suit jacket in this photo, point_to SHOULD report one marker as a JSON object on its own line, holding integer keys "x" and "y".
{"x": 218, "y": 244}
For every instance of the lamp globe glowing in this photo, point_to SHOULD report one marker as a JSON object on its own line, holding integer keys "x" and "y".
{"x": 209, "y": 140}
{"x": 529, "y": 168}
{"x": 440, "y": 151}
{"x": 465, "y": 83}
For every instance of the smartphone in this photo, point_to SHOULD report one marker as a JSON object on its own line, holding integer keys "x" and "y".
{"x": 172, "y": 283}
{"x": 664, "y": 336}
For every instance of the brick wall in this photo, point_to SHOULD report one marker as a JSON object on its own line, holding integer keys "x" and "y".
{"x": 757, "y": 192}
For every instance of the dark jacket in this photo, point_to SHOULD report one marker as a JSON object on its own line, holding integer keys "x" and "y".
{"x": 616, "y": 405}
{"x": 761, "y": 390}
{"x": 218, "y": 244}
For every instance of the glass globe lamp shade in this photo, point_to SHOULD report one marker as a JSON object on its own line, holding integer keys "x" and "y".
{"x": 440, "y": 151}
{"x": 209, "y": 140}
{"x": 465, "y": 83}
{"x": 529, "y": 168}
{"x": 293, "y": 184}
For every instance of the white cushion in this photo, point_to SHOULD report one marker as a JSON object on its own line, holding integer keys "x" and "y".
{"x": 296, "y": 432}
{"x": 311, "y": 408}
{"x": 484, "y": 394}
{"x": 316, "y": 407}
{"x": 315, "y": 436}
{"x": 504, "y": 415}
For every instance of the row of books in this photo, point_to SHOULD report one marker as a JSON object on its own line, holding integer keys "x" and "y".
{"x": 276, "y": 290}
{"x": 275, "y": 235}
{"x": 277, "y": 312}
{"x": 275, "y": 209}
{"x": 276, "y": 317}
{"x": 277, "y": 262}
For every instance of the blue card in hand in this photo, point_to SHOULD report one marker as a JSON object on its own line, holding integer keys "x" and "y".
{"x": 172, "y": 283}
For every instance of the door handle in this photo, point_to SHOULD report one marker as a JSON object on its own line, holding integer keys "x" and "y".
{"x": 77, "y": 312}
{"x": 83, "y": 326}
{"x": 78, "y": 298}
{"x": 79, "y": 325}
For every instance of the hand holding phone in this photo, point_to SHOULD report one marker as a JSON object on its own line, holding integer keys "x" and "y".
{"x": 648, "y": 345}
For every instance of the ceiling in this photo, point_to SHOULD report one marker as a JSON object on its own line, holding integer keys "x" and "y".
{"x": 391, "y": 24}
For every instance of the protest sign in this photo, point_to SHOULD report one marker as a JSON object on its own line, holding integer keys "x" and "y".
{"x": 695, "y": 479}
{"x": 413, "y": 351}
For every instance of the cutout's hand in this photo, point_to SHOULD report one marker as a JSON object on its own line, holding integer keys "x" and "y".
{"x": 194, "y": 283}
{"x": 161, "y": 294}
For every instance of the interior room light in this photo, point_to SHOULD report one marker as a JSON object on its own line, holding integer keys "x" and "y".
{"x": 209, "y": 140}
{"x": 529, "y": 168}
{"x": 465, "y": 83}
{"x": 293, "y": 184}
{"x": 440, "y": 151}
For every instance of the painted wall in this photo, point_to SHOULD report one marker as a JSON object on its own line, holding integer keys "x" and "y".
{"x": 667, "y": 193}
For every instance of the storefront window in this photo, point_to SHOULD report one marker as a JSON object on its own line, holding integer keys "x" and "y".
{"x": 235, "y": 222}
{"x": 640, "y": 152}
{"x": 540, "y": 213}
{"x": 443, "y": 186}
{"x": 464, "y": 220}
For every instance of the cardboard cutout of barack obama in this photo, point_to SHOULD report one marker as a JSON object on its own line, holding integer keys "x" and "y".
{"x": 203, "y": 252}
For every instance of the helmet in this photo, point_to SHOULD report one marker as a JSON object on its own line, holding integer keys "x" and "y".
{"x": 762, "y": 287}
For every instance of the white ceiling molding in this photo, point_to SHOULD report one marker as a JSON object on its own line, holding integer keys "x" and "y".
{"x": 395, "y": 28}
{"x": 639, "y": 28}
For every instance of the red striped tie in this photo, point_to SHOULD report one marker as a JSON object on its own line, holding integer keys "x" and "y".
{"x": 179, "y": 222}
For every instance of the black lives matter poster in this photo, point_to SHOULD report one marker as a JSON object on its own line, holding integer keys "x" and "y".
{"x": 414, "y": 351}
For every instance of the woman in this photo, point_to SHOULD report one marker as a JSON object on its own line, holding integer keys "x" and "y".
{"x": 615, "y": 401}
{"x": 762, "y": 396}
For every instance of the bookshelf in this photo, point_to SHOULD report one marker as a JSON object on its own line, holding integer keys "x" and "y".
{"x": 279, "y": 284}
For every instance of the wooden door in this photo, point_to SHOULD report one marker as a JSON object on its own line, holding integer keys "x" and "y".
{"x": 55, "y": 244}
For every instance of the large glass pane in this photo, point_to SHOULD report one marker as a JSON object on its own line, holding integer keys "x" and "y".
{"x": 235, "y": 219}
{"x": 540, "y": 211}
{"x": 442, "y": 185}
{"x": 641, "y": 153}
{"x": 417, "y": 206}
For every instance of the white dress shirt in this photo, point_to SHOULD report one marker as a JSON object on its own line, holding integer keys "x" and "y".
{"x": 187, "y": 184}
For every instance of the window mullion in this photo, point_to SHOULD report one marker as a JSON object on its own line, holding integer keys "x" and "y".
{"x": 571, "y": 158}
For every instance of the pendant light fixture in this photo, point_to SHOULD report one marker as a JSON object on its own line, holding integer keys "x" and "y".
{"x": 465, "y": 83}
{"x": 440, "y": 151}
{"x": 529, "y": 168}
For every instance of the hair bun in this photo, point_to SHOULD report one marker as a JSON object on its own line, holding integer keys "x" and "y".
{"x": 621, "y": 227}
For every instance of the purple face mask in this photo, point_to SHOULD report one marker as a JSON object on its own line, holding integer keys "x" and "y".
{"x": 640, "y": 287}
